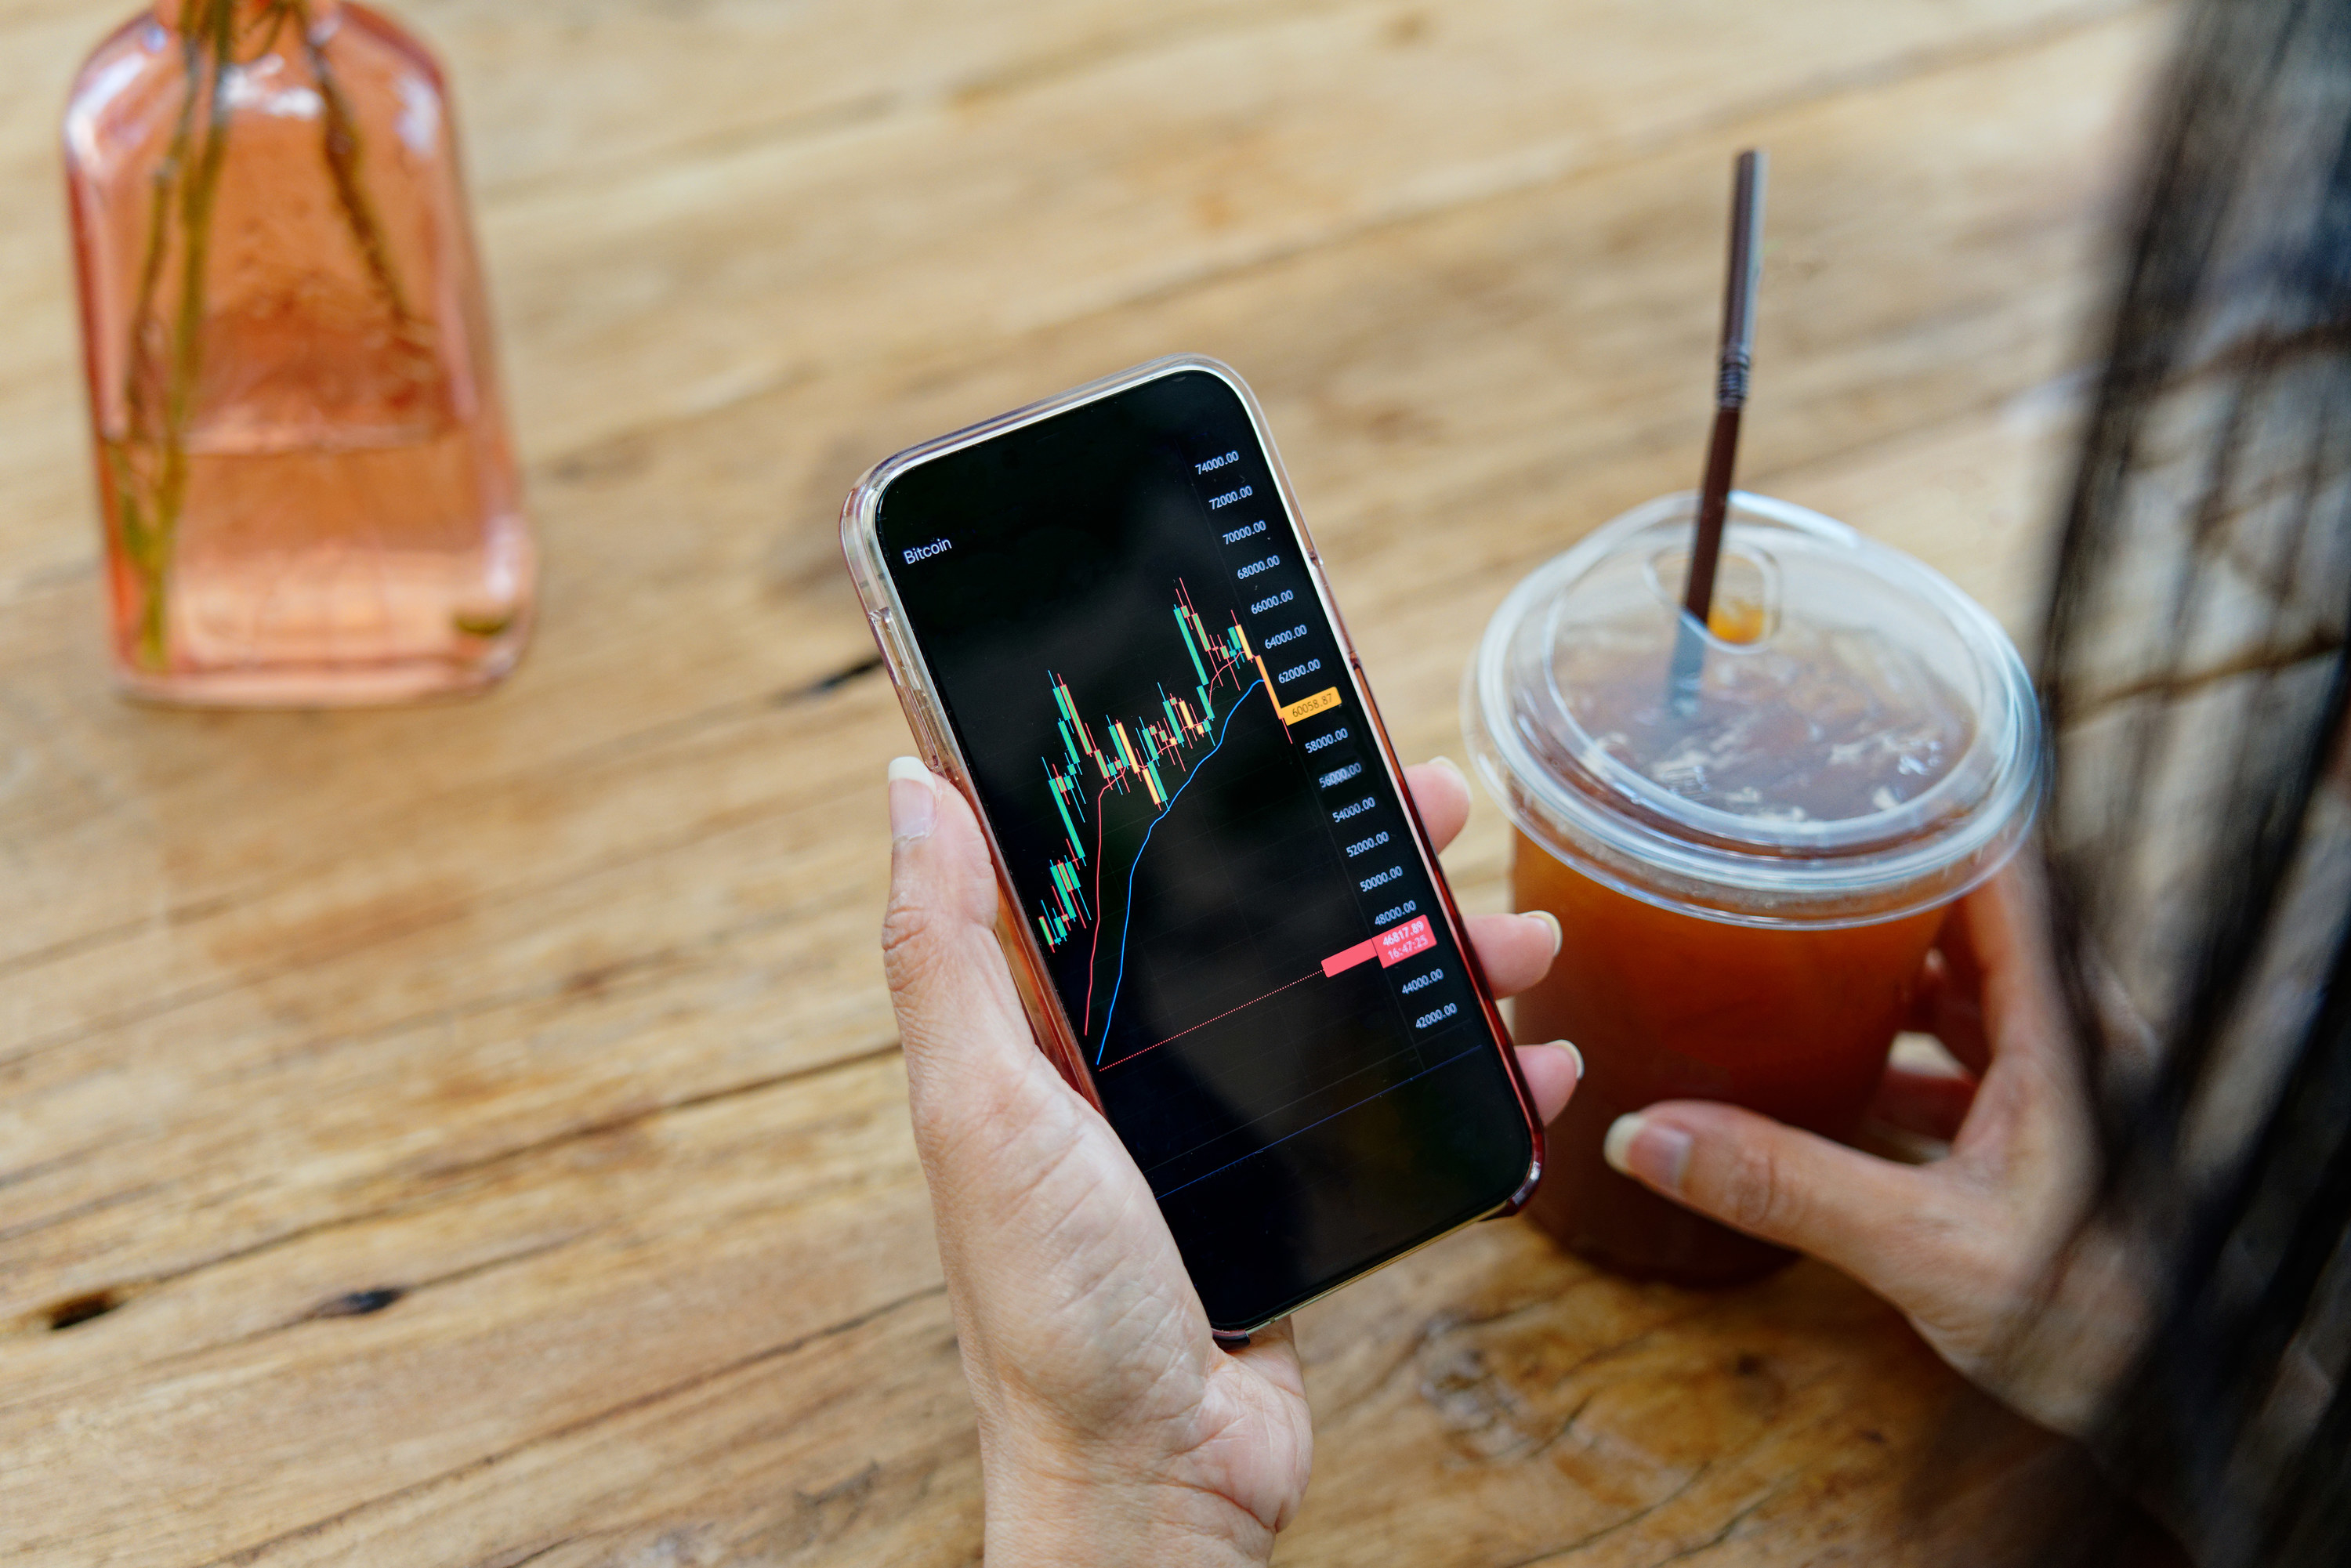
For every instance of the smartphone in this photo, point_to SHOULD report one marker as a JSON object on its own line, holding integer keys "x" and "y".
{"x": 1109, "y": 628}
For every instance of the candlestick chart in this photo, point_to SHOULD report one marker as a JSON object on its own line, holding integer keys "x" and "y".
{"x": 1151, "y": 752}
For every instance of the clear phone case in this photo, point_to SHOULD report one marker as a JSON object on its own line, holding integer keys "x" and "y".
{"x": 935, "y": 737}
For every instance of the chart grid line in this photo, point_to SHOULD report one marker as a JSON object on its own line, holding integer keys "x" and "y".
{"x": 1309, "y": 1126}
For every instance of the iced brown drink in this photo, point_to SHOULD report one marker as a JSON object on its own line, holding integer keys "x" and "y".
{"x": 1746, "y": 886}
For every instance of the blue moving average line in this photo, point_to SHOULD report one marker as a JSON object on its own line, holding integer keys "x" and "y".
{"x": 1128, "y": 917}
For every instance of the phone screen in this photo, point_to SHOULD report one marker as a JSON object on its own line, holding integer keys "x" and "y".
{"x": 1160, "y": 724}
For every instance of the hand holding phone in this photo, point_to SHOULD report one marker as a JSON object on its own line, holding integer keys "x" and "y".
{"x": 1275, "y": 1062}
{"x": 1114, "y": 1427}
{"x": 1110, "y": 630}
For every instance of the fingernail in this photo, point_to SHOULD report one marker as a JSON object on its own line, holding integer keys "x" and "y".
{"x": 1455, "y": 767}
{"x": 1558, "y": 938}
{"x": 1569, "y": 1046}
{"x": 1647, "y": 1151}
{"x": 913, "y": 800}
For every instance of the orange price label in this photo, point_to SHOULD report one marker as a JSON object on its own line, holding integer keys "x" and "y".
{"x": 1307, "y": 708}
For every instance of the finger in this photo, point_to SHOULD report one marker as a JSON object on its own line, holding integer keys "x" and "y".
{"x": 1931, "y": 1104}
{"x": 1948, "y": 1002}
{"x": 1515, "y": 950}
{"x": 1551, "y": 1072}
{"x": 2003, "y": 930}
{"x": 1259, "y": 1454}
{"x": 948, "y": 980}
{"x": 1857, "y": 1212}
{"x": 1441, "y": 793}
{"x": 1927, "y": 992}
{"x": 1273, "y": 1352}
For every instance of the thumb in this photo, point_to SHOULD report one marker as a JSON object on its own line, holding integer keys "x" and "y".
{"x": 953, "y": 996}
{"x": 1861, "y": 1214}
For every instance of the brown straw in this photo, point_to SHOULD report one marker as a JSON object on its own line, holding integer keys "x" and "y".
{"x": 1731, "y": 398}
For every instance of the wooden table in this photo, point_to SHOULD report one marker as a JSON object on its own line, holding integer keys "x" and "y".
{"x": 474, "y": 1135}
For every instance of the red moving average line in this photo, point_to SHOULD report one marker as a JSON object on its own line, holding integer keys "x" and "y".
{"x": 1204, "y": 1023}
{"x": 1391, "y": 947}
{"x": 1094, "y": 946}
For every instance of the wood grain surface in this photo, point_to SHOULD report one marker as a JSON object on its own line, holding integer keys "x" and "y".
{"x": 476, "y": 1134}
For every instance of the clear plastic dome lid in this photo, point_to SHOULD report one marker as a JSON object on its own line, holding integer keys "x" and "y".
{"x": 1852, "y": 739}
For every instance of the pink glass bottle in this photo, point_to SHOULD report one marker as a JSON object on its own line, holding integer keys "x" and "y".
{"x": 309, "y": 492}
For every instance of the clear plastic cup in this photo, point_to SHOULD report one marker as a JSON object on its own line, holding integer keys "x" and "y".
{"x": 1747, "y": 881}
